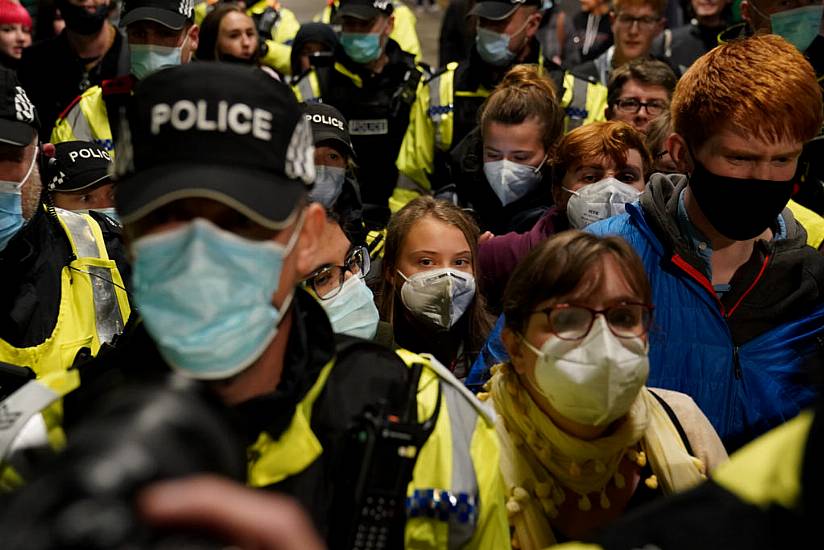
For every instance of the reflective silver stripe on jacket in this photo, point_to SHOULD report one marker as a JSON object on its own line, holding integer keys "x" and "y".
{"x": 304, "y": 86}
{"x": 463, "y": 417}
{"x": 18, "y": 409}
{"x": 108, "y": 320}
{"x": 437, "y": 110}
{"x": 577, "y": 108}
{"x": 79, "y": 123}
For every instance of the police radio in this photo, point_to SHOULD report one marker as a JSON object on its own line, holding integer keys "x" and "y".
{"x": 379, "y": 459}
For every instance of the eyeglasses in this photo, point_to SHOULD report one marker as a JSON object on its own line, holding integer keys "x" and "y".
{"x": 632, "y": 105}
{"x": 646, "y": 22}
{"x": 570, "y": 322}
{"x": 327, "y": 281}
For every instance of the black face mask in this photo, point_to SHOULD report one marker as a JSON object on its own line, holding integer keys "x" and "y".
{"x": 739, "y": 208}
{"x": 81, "y": 21}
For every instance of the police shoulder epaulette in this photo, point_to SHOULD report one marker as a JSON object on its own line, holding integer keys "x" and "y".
{"x": 119, "y": 85}
{"x": 588, "y": 77}
{"x": 451, "y": 66}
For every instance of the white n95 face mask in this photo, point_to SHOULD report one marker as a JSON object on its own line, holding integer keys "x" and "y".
{"x": 352, "y": 311}
{"x": 511, "y": 181}
{"x": 438, "y": 296}
{"x": 599, "y": 201}
{"x": 593, "y": 381}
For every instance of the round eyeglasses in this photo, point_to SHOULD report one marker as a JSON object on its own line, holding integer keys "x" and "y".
{"x": 572, "y": 322}
{"x": 327, "y": 281}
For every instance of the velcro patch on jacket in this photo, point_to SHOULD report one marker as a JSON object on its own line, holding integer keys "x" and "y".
{"x": 373, "y": 127}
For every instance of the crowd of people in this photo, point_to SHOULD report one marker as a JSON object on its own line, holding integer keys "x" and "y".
{"x": 286, "y": 284}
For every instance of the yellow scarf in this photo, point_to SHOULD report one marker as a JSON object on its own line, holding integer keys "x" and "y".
{"x": 539, "y": 460}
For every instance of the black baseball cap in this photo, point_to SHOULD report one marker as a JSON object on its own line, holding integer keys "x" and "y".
{"x": 328, "y": 124}
{"x": 18, "y": 117}
{"x": 497, "y": 10}
{"x": 221, "y": 131}
{"x": 169, "y": 13}
{"x": 77, "y": 165}
{"x": 365, "y": 9}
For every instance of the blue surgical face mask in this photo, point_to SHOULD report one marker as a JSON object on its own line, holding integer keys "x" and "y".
{"x": 11, "y": 206}
{"x": 493, "y": 47}
{"x": 798, "y": 26}
{"x": 150, "y": 58}
{"x": 328, "y": 184}
{"x": 352, "y": 311}
{"x": 512, "y": 181}
{"x": 205, "y": 295}
{"x": 362, "y": 47}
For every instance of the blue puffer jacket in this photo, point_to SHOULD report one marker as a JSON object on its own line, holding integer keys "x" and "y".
{"x": 743, "y": 389}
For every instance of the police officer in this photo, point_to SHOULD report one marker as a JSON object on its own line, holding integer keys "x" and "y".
{"x": 160, "y": 33}
{"x": 446, "y": 109}
{"x": 77, "y": 177}
{"x": 213, "y": 194}
{"x": 404, "y": 31}
{"x": 62, "y": 294}
{"x": 373, "y": 83}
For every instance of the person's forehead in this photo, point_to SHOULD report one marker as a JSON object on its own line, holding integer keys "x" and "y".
{"x": 235, "y": 19}
{"x": 729, "y": 138}
{"x": 334, "y": 246}
{"x": 607, "y": 163}
{"x": 434, "y": 235}
{"x": 638, "y": 10}
{"x": 633, "y": 88}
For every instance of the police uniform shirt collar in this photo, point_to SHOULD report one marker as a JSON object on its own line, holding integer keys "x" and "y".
{"x": 18, "y": 116}
{"x": 221, "y": 131}
{"x": 310, "y": 348}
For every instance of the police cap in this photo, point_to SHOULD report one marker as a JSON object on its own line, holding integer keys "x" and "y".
{"x": 220, "y": 131}
{"x": 497, "y": 10}
{"x": 77, "y": 165}
{"x": 365, "y": 9}
{"x": 328, "y": 124}
{"x": 169, "y": 13}
{"x": 18, "y": 117}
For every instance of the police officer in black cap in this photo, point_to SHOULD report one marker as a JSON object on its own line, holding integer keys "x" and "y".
{"x": 213, "y": 196}
{"x": 374, "y": 84}
{"x": 77, "y": 177}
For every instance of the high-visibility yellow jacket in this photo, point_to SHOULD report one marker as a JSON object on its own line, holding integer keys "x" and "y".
{"x": 404, "y": 32}
{"x": 458, "y": 461}
{"x": 810, "y": 221}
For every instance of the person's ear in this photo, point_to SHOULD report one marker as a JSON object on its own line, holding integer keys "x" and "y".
{"x": 514, "y": 347}
{"x": 306, "y": 249}
{"x": 608, "y": 112}
{"x": 613, "y": 17}
{"x": 390, "y": 26}
{"x": 532, "y": 24}
{"x": 194, "y": 39}
{"x": 677, "y": 147}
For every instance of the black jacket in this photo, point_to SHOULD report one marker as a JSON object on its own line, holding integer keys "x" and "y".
{"x": 53, "y": 75}
{"x": 685, "y": 45}
{"x": 365, "y": 374}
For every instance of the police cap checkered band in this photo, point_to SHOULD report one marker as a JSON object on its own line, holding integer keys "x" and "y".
{"x": 18, "y": 117}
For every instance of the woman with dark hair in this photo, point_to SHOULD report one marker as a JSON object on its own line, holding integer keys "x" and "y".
{"x": 582, "y": 439}
{"x": 228, "y": 34}
{"x": 427, "y": 286}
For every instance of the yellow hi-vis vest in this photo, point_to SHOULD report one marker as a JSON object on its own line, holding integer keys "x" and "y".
{"x": 283, "y": 33}
{"x": 404, "y": 32}
{"x": 86, "y": 120}
{"x": 431, "y": 122}
{"x": 93, "y": 303}
{"x": 810, "y": 221}
{"x": 461, "y": 456}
